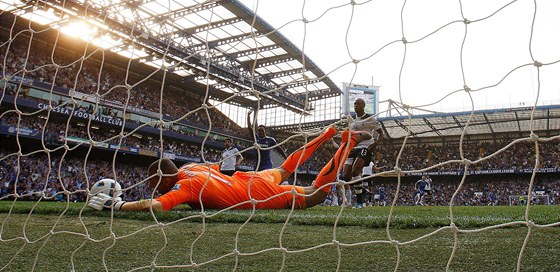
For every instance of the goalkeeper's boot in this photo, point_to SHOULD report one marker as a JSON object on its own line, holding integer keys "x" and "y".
{"x": 330, "y": 131}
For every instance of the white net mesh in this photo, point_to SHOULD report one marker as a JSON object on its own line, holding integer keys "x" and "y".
{"x": 74, "y": 112}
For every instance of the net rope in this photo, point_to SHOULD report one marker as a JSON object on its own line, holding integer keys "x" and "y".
{"x": 128, "y": 86}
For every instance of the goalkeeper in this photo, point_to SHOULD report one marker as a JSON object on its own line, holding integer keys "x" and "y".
{"x": 202, "y": 185}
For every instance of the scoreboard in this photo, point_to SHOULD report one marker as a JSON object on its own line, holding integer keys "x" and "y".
{"x": 351, "y": 92}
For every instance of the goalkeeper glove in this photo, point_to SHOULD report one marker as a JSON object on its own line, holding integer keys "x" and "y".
{"x": 102, "y": 200}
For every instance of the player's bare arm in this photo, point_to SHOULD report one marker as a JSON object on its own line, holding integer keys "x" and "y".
{"x": 143, "y": 205}
{"x": 239, "y": 159}
{"x": 249, "y": 125}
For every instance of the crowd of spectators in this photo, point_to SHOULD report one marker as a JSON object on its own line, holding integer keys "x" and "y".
{"x": 439, "y": 158}
{"x": 517, "y": 157}
{"x": 64, "y": 178}
{"x": 111, "y": 136}
{"x": 90, "y": 74}
{"x": 487, "y": 190}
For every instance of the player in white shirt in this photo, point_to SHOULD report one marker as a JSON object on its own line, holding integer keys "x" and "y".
{"x": 361, "y": 155}
{"x": 230, "y": 158}
{"x": 428, "y": 190}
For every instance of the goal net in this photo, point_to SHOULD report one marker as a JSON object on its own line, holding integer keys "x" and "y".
{"x": 102, "y": 89}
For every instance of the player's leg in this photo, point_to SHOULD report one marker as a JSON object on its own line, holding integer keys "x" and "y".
{"x": 347, "y": 195}
{"x": 340, "y": 194}
{"x": 362, "y": 198}
{"x": 328, "y": 174}
{"x": 301, "y": 155}
{"x": 357, "y": 168}
{"x": 359, "y": 192}
{"x": 347, "y": 176}
{"x": 347, "y": 169}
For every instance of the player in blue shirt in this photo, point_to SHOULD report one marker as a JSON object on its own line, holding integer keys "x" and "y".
{"x": 382, "y": 196}
{"x": 491, "y": 199}
{"x": 420, "y": 186}
{"x": 263, "y": 141}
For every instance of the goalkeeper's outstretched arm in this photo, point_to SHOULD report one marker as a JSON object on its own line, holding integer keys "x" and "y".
{"x": 163, "y": 185}
{"x": 103, "y": 201}
{"x": 143, "y": 205}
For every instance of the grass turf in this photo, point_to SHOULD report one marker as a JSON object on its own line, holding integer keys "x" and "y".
{"x": 43, "y": 238}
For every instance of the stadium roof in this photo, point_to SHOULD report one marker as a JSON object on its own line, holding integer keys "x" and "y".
{"x": 193, "y": 38}
{"x": 512, "y": 121}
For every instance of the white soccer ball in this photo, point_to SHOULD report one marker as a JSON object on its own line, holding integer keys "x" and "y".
{"x": 106, "y": 186}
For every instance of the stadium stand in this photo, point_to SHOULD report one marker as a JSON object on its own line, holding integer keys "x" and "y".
{"x": 501, "y": 174}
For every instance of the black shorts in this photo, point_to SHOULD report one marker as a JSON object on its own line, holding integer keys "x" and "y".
{"x": 363, "y": 153}
{"x": 227, "y": 172}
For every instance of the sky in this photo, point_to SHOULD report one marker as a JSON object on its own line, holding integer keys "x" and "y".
{"x": 362, "y": 44}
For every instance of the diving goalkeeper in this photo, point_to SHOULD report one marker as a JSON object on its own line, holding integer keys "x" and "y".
{"x": 202, "y": 185}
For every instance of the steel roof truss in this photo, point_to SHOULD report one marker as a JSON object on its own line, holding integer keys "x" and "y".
{"x": 206, "y": 27}
{"x": 434, "y": 129}
{"x": 488, "y": 122}
{"x": 517, "y": 120}
{"x": 171, "y": 15}
{"x": 459, "y": 124}
{"x": 405, "y": 128}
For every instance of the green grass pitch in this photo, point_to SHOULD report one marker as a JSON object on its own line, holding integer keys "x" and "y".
{"x": 52, "y": 236}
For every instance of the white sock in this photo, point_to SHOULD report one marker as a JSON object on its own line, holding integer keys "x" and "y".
{"x": 357, "y": 185}
{"x": 349, "y": 197}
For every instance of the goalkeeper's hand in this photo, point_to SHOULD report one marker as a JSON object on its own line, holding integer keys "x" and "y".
{"x": 102, "y": 200}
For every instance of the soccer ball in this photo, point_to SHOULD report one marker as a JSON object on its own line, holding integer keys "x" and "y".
{"x": 106, "y": 186}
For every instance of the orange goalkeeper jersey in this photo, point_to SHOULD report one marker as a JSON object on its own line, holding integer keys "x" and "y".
{"x": 221, "y": 191}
